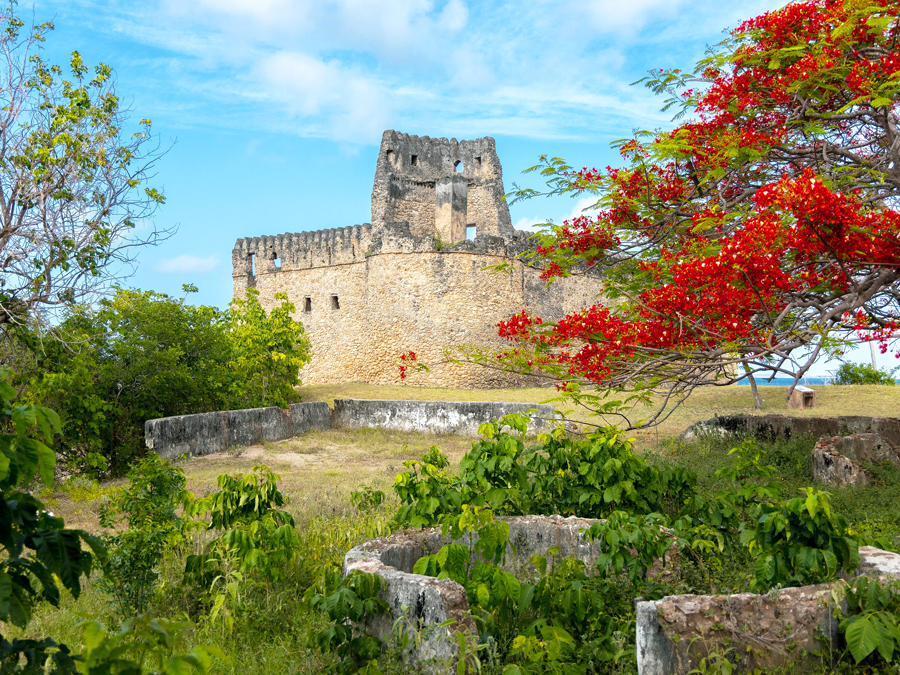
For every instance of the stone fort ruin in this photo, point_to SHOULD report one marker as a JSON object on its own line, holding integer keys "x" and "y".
{"x": 414, "y": 278}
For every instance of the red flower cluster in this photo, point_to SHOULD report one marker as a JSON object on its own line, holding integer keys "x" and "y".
{"x": 753, "y": 227}
{"x": 407, "y": 358}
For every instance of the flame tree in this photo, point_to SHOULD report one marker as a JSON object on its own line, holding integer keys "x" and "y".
{"x": 759, "y": 234}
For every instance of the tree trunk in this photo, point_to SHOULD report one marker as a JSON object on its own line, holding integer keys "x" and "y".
{"x": 757, "y": 401}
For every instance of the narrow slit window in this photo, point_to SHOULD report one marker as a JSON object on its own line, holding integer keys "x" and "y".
{"x": 470, "y": 231}
{"x": 252, "y": 264}
{"x": 335, "y": 304}
{"x": 414, "y": 160}
{"x": 307, "y": 304}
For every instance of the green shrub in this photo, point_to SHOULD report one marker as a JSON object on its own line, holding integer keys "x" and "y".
{"x": 589, "y": 477}
{"x": 851, "y": 373}
{"x": 147, "y": 505}
{"x": 256, "y": 543}
{"x": 142, "y": 355}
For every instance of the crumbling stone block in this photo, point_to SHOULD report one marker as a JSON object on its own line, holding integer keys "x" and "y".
{"x": 802, "y": 397}
{"x": 754, "y": 631}
{"x": 839, "y": 460}
{"x": 427, "y": 602}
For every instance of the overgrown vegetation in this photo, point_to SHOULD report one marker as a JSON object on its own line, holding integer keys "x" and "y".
{"x": 264, "y": 586}
{"x": 144, "y": 355}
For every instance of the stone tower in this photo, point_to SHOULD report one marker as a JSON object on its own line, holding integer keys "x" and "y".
{"x": 440, "y": 187}
{"x": 417, "y": 278}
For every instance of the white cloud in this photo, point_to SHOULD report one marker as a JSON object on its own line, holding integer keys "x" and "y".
{"x": 610, "y": 16}
{"x": 454, "y": 16}
{"x": 349, "y": 105}
{"x": 347, "y": 69}
{"x": 186, "y": 263}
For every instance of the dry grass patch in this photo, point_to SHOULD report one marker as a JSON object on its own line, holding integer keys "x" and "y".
{"x": 319, "y": 470}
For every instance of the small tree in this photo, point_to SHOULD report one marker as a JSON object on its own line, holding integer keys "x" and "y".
{"x": 270, "y": 349}
{"x": 751, "y": 239}
{"x": 73, "y": 183}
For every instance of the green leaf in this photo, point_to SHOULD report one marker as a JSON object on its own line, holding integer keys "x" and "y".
{"x": 881, "y": 101}
{"x": 863, "y": 635}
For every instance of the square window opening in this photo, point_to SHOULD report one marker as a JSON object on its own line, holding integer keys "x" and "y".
{"x": 276, "y": 261}
{"x": 414, "y": 160}
{"x": 470, "y": 231}
{"x": 335, "y": 303}
{"x": 478, "y": 162}
{"x": 307, "y": 304}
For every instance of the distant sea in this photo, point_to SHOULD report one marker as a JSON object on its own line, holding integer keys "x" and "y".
{"x": 785, "y": 381}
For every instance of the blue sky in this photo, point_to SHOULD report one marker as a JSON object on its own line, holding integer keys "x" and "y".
{"x": 274, "y": 108}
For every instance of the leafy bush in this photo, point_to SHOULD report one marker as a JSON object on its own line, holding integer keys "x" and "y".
{"x": 799, "y": 541}
{"x": 148, "y": 504}
{"x": 144, "y": 355}
{"x": 354, "y": 598}
{"x": 39, "y": 554}
{"x": 851, "y": 373}
{"x": 269, "y": 351}
{"x": 589, "y": 477}
{"x": 141, "y": 355}
{"x": 873, "y": 625}
{"x": 256, "y": 543}
{"x": 143, "y": 645}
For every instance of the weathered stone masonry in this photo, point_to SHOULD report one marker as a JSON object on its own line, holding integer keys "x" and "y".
{"x": 410, "y": 280}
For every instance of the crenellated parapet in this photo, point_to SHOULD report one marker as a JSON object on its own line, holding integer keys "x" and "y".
{"x": 300, "y": 250}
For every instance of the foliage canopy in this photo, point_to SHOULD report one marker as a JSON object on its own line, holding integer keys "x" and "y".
{"x": 759, "y": 234}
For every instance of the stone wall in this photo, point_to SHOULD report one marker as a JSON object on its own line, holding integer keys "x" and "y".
{"x": 458, "y": 417}
{"x": 774, "y": 427}
{"x": 206, "y": 433}
{"x": 408, "y": 295}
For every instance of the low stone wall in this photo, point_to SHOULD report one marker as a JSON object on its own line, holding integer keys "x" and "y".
{"x": 456, "y": 417}
{"x": 753, "y": 631}
{"x": 217, "y": 431}
{"x": 773, "y": 427}
{"x": 206, "y": 433}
